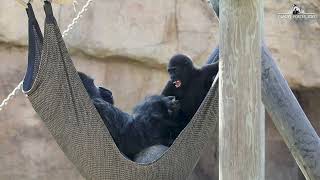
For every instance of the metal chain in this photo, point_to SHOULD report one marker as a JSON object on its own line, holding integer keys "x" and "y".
{"x": 65, "y": 33}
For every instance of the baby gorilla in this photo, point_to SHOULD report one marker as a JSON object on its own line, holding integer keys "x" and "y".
{"x": 151, "y": 123}
{"x": 189, "y": 85}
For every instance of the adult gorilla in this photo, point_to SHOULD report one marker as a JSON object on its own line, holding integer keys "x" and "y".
{"x": 151, "y": 122}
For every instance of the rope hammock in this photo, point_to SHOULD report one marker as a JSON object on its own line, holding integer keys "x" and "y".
{"x": 59, "y": 97}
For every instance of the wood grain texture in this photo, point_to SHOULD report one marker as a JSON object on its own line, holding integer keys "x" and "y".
{"x": 241, "y": 123}
{"x": 289, "y": 118}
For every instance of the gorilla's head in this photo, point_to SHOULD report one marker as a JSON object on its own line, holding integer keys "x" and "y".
{"x": 157, "y": 115}
{"x": 180, "y": 70}
{"x": 157, "y": 111}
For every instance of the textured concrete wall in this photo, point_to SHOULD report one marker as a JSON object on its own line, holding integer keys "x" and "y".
{"x": 125, "y": 46}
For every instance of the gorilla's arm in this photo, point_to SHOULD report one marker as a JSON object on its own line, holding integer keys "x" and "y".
{"x": 121, "y": 127}
{"x": 116, "y": 120}
{"x": 209, "y": 72}
{"x": 169, "y": 89}
{"x": 210, "y": 69}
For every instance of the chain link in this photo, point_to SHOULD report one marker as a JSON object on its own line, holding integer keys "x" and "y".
{"x": 65, "y": 33}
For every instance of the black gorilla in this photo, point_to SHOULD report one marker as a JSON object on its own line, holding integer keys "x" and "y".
{"x": 151, "y": 122}
{"x": 189, "y": 85}
{"x": 93, "y": 90}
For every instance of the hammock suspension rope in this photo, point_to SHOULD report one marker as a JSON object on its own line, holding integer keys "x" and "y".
{"x": 64, "y": 34}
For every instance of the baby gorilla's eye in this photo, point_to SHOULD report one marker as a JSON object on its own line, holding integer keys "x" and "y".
{"x": 171, "y": 70}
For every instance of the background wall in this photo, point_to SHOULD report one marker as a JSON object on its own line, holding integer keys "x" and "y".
{"x": 125, "y": 45}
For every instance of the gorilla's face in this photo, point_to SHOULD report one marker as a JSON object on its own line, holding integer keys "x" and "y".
{"x": 180, "y": 69}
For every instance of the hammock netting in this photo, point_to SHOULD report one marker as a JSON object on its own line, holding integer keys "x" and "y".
{"x": 59, "y": 97}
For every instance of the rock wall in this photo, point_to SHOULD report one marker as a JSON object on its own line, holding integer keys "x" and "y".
{"x": 125, "y": 46}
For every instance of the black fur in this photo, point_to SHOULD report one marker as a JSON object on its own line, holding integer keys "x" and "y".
{"x": 195, "y": 84}
{"x": 93, "y": 90}
{"x": 150, "y": 124}
{"x": 152, "y": 121}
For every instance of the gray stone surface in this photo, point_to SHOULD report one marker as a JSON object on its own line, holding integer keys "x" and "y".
{"x": 151, "y": 31}
{"x": 142, "y": 29}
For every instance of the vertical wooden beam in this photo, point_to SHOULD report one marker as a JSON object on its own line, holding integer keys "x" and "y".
{"x": 287, "y": 115}
{"x": 241, "y": 124}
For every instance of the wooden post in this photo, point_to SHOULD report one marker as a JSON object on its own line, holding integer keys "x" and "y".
{"x": 287, "y": 115}
{"x": 241, "y": 124}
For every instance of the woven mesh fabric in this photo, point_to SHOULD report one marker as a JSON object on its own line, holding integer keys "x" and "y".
{"x": 59, "y": 97}
{"x": 35, "y": 49}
